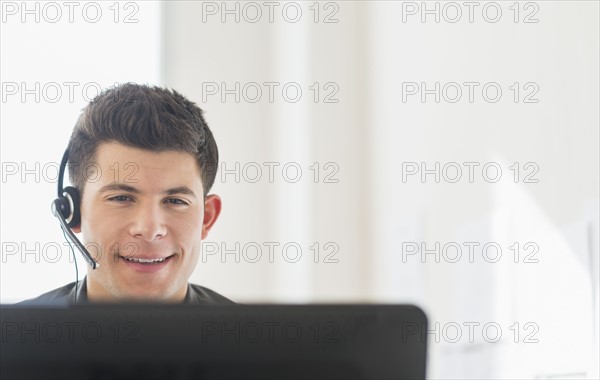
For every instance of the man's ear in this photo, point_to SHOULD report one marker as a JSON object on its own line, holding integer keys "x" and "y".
{"x": 212, "y": 209}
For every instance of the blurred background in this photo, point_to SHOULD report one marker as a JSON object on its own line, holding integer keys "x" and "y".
{"x": 444, "y": 154}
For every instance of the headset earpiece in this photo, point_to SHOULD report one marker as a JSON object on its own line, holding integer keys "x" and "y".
{"x": 70, "y": 204}
{"x": 66, "y": 208}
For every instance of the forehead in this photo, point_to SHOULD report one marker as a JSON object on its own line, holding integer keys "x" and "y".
{"x": 121, "y": 163}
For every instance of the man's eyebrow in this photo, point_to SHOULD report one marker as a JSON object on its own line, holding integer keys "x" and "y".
{"x": 180, "y": 190}
{"x": 119, "y": 187}
{"x": 130, "y": 189}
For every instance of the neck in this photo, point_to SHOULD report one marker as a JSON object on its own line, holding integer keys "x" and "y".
{"x": 97, "y": 293}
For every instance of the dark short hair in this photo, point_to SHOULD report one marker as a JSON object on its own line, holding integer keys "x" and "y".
{"x": 146, "y": 117}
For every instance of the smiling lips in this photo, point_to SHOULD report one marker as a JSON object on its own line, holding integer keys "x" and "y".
{"x": 147, "y": 265}
{"x": 145, "y": 261}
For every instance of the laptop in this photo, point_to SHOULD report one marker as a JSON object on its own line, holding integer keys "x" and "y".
{"x": 143, "y": 341}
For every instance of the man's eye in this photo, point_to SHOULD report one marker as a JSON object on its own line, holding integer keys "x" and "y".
{"x": 120, "y": 198}
{"x": 176, "y": 201}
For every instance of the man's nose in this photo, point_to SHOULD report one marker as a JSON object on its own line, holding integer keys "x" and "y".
{"x": 148, "y": 222}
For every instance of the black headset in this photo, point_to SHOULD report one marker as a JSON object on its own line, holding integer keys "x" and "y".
{"x": 66, "y": 209}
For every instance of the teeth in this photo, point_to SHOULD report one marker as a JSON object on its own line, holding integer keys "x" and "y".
{"x": 132, "y": 259}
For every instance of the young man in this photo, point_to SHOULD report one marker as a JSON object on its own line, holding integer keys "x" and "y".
{"x": 143, "y": 161}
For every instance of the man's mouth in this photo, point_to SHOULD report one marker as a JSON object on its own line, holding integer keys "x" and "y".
{"x": 149, "y": 261}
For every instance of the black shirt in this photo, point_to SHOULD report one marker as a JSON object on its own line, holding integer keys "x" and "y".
{"x": 196, "y": 295}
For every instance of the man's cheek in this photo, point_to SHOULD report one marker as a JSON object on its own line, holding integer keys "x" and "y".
{"x": 187, "y": 232}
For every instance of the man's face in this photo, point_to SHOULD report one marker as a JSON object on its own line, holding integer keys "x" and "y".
{"x": 144, "y": 220}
